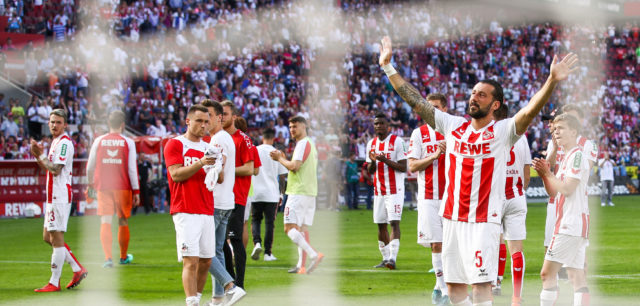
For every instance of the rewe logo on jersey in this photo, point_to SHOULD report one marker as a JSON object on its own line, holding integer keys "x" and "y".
{"x": 391, "y": 147}
{"x": 487, "y": 135}
{"x": 112, "y": 153}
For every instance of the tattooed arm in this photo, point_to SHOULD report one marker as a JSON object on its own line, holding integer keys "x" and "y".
{"x": 408, "y": 93}
{"x": 44, "y": 163}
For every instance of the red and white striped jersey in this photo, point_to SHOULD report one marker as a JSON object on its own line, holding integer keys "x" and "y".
{"x": 589, "y": 148}
{"x": 113, "y": 156}
{"x": 60, "y": 153}
{"x": 519, "y": 156}
{"x": 423, "y": 143}
{"x": 476, "y": 164}
{"x": 572, "y": 211}
{"x": 386, "y": 180}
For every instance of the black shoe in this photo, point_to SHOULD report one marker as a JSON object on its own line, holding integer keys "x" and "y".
{"x": 294, "y": 270}
{"x": 382, "y": 264}
{"x": 391, "y": 264}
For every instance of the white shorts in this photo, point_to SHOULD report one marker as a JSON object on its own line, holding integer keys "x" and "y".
{"x": 570, "y": 251}
{"x": 56, "y": 216}
{"x": 300, "y": 209}
{"x": 247, "y": 209}
{"x": 429, "y": 222}
{"x": 195, "y": 235}
{"x": 550, "y": 223}
{"x": 387, "y": 208}
{"x": 514, "y": 219}
{"x": 470, "y": 252}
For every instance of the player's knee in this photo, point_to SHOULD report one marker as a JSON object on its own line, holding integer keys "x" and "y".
{"x": 436, "y": 247}
{"x": 123, "y": 221}
{"x": 545, "y": 275}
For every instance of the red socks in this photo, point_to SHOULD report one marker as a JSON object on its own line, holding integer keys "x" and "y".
{"x": 123, "y": 240}
{"x": 502, "y": 259}
{"x": 517, "y": 273}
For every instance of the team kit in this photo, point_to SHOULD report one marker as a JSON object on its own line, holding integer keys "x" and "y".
{"x": 471, "y": 176}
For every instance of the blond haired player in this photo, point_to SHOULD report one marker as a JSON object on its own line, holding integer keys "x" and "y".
{"x": 571, "y": 230}
{"x": 113, "y": 172}
{"x": 476, "y": 164}
{"x": 58, "y": 164}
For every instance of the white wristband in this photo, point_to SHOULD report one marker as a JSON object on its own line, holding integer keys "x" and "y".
{"x": 389, "y": 70}
{"x": 42, "y": 157}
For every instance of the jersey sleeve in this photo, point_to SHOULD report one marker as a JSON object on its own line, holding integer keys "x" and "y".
{"x": 401, "y": 149}
{"x": 368, "y": 149}
{"x": 506, "y": 129}
{"x": 576, "y": 164}
{"x": 591, "y": 151}
{"x": 64, "y": 152}
{"x": 415, "y": 145}
{"x": 173, "y": 153}
{"x": 300, "y": 151}
{"x": 243, "y": 155}
{"x": 91, "y": 162}
{"x": 445, "y": 123}
{"x": 132, "y": 165}
{"x": 256, "y": 157}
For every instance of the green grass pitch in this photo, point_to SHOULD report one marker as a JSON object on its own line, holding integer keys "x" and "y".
{"x": 346, "y": 277}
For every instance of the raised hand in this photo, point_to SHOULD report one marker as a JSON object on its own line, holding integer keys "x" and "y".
{"x": 561, "y": 70}
{"x": 542, "y": 166}
{"x": 36, "y": 148}
{"x": 385, "y": 51}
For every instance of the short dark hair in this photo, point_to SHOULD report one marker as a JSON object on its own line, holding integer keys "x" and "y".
{"x": 217, "y": 108}
{"x": 497, "y": 93}
{"x": 197, "y": 107}
{"x": 571, "y": 121}
{"x": 573, "y": 108}
{"x": 298, "y": 119}
{"x": 60, "y": 113}
{"x": 269, "y": 133}
{"x": 230, "y": 105}
{"x": 116, "y": 119}
{"x": 439, "y": 97}
{"x": 501, "y": 113}
{"x": 381, "y": 115}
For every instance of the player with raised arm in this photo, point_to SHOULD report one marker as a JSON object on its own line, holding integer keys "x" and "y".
{"x": 387, "y": 162}
{"x": 112, "y": 171}
{"x": 514, "y": 213}
{"x": 426, "y": 156}
{"x": 476, "y": 162}
{"x": 191, "y": 202}
{"x": 571, "y": 231}
{"x": 302, "y": 189}
{"x": 58, "y": 164}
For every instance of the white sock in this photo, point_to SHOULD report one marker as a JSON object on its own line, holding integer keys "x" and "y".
{"x": 57, "y": 260}
{"x": 436, "y": 261}
{"x": 581, "y": 299}
{"x": 464, "y": 302}
{"x": 384, "y": 250}
{"x": 487, "y": 303}
{"x": 394, "y": 246}
{"x": 199, "y": 296}
{"x": 298, "y": 239}
{"x": 192, "y": 301}
{"x": 548, "y": 297}
{"x": 300, "y": 251}
{"x": 69, "y": 259}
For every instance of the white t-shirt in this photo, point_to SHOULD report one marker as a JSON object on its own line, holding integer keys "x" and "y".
{"x": 387, "y": 181}
{"x": 606, "y": 170}
{"x": 59, "y": 187}
{"x": 223, "y": 197}
{"x": 573, "y": 210}
{"x": 265, "y": 184}
{"x": 476, "y": 164}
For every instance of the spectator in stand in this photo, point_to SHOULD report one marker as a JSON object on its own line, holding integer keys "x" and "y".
{"x": 9, "y": 127}
{"x": 607, "y": 179}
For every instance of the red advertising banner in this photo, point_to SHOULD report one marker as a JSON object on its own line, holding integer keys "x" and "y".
{"x": 22, "y": 183}
{"x": 149, "y": 146}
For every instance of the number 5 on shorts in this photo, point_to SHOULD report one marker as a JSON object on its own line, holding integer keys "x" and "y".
{"x": 478, "y": 259}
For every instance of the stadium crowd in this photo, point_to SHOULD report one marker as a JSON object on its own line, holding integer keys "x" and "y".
{"x": 154, "y": 59}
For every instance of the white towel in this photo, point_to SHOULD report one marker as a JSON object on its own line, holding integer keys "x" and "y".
{"x": 213, "y": 170}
